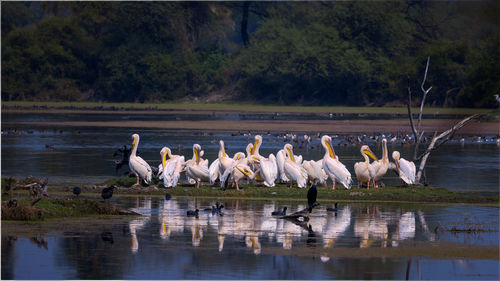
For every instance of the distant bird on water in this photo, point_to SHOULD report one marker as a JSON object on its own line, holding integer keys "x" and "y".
{"x": 107, "y": 192}
{"x": 168, "y": 196}
{"x": 77, "y": 190}
{"x": 278, "y": 213}
{"x": 312, "y": 195}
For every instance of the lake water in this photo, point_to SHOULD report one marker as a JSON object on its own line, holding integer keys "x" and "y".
{"x": 358, "y": 241}
{"x": 73, "y": 155}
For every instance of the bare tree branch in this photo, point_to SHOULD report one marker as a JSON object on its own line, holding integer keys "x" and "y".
{"x": 425, "y": 94}
{"x": 409, "y": 111}
{"x": 433, "y": 145}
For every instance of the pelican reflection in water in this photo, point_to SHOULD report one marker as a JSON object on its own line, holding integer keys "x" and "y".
{"x": 335, "y": 227}
{"x": 143, "y": 207}
{"x": 370, "y": 227}
{"x": 405, "y": 228}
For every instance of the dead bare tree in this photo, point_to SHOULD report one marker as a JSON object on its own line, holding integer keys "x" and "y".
{"x": 418, "y": 133}
{"x": 38, "y": 190}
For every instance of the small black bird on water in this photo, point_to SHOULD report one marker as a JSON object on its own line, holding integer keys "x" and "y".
{"x": 77, "y": 190}
{"x": 107, "y": 237}
{"x": 312, "y": 195}
{"x": 107, "y": 192}
{"x": 333, "y": 209}
{"x": 278, "y": 213}
{"x": 191, "y": 213}
{"x": 168, "y": 196}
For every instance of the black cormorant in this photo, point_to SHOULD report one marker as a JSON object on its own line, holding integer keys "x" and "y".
{"x": 312, "y": 194}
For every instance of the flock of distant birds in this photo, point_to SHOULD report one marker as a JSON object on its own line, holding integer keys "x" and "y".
{"x": 285, "y": 167}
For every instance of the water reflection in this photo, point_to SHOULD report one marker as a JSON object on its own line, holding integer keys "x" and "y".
{"x": 246, "y": 239}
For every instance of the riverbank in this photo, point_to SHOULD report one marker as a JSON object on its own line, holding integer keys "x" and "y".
{"x": 203, "y": 108}
{"x": 57, "y": 208}
{"x": 424, "y": 194}
{"x": 260, "y": 119}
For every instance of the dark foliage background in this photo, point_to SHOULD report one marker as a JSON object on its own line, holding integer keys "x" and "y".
{"x": 307, "y": 53}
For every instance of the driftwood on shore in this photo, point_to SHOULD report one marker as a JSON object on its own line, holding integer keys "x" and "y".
{"x": 304, "y": 214}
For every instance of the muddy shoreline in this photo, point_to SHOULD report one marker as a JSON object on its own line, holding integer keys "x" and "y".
{"x": 392, "y": 126}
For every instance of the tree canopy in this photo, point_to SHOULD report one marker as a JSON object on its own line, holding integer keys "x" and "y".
{"x": 304, "y": 53}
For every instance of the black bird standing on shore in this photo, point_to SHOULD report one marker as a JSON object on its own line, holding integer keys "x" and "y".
{"x": 77, "y": 190}
{"x": 312, "y": 195}
{"x": 107, "y": 192}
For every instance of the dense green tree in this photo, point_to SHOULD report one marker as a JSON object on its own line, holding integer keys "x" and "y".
{"x": 349, "y": 53}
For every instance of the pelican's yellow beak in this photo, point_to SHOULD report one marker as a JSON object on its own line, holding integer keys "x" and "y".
{"x": 133, "y": 144}
{"x": 291, "y": 154}
{"x": 397, "y": 165}
{"x": 330, "y": 148}
{"x": 224, "y": 152}
{"x": 196, "y": 154}
{"x": 243, "y": 171}
{"x": 164, "y": 159}
{"x": 254, "y": 146}
{"x": 370, "y": 153}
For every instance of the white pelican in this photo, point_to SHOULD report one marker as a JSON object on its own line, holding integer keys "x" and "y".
{"x": 171, "y": 167}
{"x": 240, "y": 172}
{"x": 363, "y": 170}
{"x": 294, "y": 171}
{"x": 268, "y": 166}
{"x": 197, "y": 170}
{"x": 332, "y": 166}
{"x": 225, "y": 162}
{"x": 380, "y": 166}
{"x": 219, "y": 166}
{"x": 280, "y": 161}
{"x": 137, "y": 165}
{"x": 314, "y": 171}
{"x": 405, "y": 168}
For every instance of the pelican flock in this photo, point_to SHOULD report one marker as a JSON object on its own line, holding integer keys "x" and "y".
{"x": 285, "y": 167}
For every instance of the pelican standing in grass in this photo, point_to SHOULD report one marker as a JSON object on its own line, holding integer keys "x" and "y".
{"x": 332, "y": 166}
{"x": 196, "y": 170}
{"x": 268, "y": 167}
{"x": 280, "y": 161}
{"x": 294, "y": 171}
{"x": 171, "y": 168}
{"x": 365, "y": 171}
{"x": 380, "y": 166}
{"x": 137, "y": 165}
{"x": 406, "y": 169}
{"x": 314, "y": 171}
{"x": 239, "y": 172}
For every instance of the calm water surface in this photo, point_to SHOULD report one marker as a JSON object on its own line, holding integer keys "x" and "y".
{"x": 85, "y": 155}
{"x": 248, "y": 243}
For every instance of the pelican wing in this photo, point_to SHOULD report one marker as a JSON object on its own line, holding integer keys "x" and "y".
{"x": 295, "y": 172}
{"x": 274, "y": 170}
{"x": 298, "y": 159}
{"x": 362, "y": 172}
{"x": 267, "y": 169}
{"x": 141, "y": 168}
{"x": 337, "y": 171}
{"x": 198, "y": 172}
{"x": 280, "y": 160}
{"x": 318, "y": 171}
{"x": 407, "y": 173}
{"x": 213, "y": 171}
